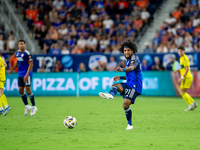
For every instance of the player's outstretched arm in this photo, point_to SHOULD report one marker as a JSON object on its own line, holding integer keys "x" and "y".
{"x": 11, "y": 70}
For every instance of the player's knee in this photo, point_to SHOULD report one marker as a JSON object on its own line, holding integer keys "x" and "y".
{"x": 125, "y": 105}
{"x": 21, "y": 91}
{"x": 28, "y": 91}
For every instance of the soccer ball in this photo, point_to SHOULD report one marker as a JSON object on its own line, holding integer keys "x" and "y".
{"x": 70, "y": 122}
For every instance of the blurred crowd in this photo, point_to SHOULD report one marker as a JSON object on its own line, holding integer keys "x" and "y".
{"x": 182, "y": 27}
{"x": 85, "y": 26}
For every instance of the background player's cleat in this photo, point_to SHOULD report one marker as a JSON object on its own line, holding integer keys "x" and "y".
{"x": 106, "y": 95}
{"x": 1, "y": 112}
{"x": 195, "y": 105}
{"x": 33, "y": 111}
{"x": 7, "y": 110}
{"x": 27, "y": 109}
{"x": 129, "y": 127}
{"x": 191, "y": 107}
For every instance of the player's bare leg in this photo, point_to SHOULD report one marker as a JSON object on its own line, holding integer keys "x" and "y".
{"x": 24, "y": 99}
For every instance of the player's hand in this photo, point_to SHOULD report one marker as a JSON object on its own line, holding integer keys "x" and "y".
{"x": 10, "y": 71}
{"x": 116, "y": 78}
{"x": 119, "y": 69}
{"x": 25, "y": 78}
{"x": 179, "y": 80}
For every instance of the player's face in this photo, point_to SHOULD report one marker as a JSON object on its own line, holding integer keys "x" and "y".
{"x": 181, "y": 52}
{"x": 128, "y": 53}
{"x": 21, "y": 45}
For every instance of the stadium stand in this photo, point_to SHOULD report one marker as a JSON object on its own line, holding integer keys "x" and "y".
{"x": 182, "y": 27}
{"x": 102, "y": 24}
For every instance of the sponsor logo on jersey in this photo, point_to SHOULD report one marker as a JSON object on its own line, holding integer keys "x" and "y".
{"x": 20, "y": 59}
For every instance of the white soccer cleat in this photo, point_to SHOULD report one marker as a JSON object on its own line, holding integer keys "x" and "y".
{"x": 106, "y": 95}
{"x": 34, "y": 110}
{"x": 129, "y": 127}
{"x": 195, "y": 105}
{"x": 7, "y": 110}
{"x": 27, "y": 109}
{"x": 191, "y": 107}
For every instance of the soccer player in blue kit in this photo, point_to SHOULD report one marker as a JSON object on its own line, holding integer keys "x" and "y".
{"x": 133, "y": 86}
{"x": 25, "y": 65}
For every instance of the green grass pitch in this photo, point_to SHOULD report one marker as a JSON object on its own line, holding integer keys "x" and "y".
{"x": 159, "y": 123}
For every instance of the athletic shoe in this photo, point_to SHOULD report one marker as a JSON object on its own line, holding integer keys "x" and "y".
{"x": 34, "y": 110}
{"x": 191, "y": 107}
{"x": 27, "y": 109}
{"x": 195, "y": 105}
{"x": 7, "y": 110}
{"x": 1, "y": 112}
{"x": 106, "y": 95}
{"x": 129, "y": 127}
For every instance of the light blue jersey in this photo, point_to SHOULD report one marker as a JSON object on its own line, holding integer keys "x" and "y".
{"x": 134, "y": 78}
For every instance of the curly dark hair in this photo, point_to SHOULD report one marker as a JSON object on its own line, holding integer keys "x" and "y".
{"x": 129, "y": 44}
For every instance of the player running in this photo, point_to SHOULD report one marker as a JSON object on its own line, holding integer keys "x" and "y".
{"x": 25, "y": 64}
{"x": 133, "y": 86}
{"x": 3, "y": 99}
{"x": 186, "y": 79}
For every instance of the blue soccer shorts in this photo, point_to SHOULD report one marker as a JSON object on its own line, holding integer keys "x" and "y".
{"x": 129, "y": 92}
{"x": 22, "y": 83}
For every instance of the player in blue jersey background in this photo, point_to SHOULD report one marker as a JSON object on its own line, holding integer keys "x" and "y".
{"x": 133, "y": 86}
{"x": 25, "y": 65}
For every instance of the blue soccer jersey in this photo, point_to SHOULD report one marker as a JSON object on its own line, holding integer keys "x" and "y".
{"x": 22, "y": 60}
{"x": 134, "y": 78}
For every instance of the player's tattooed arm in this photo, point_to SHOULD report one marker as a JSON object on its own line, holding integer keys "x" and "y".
{"x": 131, "y": 67}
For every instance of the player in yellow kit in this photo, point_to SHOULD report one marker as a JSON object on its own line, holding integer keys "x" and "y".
{"x": 186, "y": 79}
{"x": 2, "y": 96}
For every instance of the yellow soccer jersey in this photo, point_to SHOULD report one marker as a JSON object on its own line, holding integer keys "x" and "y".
{"x": 2, "y": 70}
{"x": 184, "y": 61}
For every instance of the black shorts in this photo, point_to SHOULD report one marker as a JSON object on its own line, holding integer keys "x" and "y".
{"x": 22, "y": 83}
{"x": 129, "y": 92}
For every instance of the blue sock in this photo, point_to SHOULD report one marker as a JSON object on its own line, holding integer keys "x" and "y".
{"x": 31, "y": 96}
{"x": 24, "y": 98}
{"x": 128, "y": 113}
{"x": 113, "y": 90}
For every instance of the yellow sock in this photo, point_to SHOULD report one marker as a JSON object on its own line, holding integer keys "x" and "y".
{"x": 190, "y": 99}
{"x": 185, "y": 97}
{"x": 1, "y": 102}
{"x": 4, "y": 100}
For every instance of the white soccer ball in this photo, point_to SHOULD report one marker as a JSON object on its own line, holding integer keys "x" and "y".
{"x": 70, "y": 122}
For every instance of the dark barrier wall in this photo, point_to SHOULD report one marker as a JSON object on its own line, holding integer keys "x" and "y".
{"x": 70, "y": 63}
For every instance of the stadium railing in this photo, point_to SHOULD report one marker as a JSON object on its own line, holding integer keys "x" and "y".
{"x": 15, "y": 24}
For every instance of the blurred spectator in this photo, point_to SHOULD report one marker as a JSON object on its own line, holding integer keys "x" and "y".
{"x": 103, "y": 43}
{"x": 65, "y": 50}
{"x": 81, "y": 43}
{"x": 112, "y": 64}
{"x": 171, "y": 20}
{"x": 47, "y": 44}
{"x": 55, "y": 50}
{"x": 147, "y": 48}
{"x": 170, "y": 63}
{"x": 82, "y": 67}
{"x": 91, "y": 44}
{"x": 177, "y": 13}
{"x": 157, "y": 66}
{"x": 47, "y": 21}
{"x": 31, "y": 15}
{"x": 76, "y": 50}
{"x": 162, "y": 49}
{"x": 53, "y": 33}
{"x": 145, "y": 66}
{"x": 63, "y": 31}
{"x": 11, "y": 44}
{"x": 53, "y": 15}
{"x": 145, "y": 15}
{"x": 178, "y": 40}
{"x": 108, "y": 23}
{"x": 156, "y": 40}
{"x": 173, "y": 49}
{"x": 43, "y": 68}
{"x": 58, "y": 4}
{"x": 58, "y": 66}
{"x": 122, "y": 63}
{"x": 1, "y": 43}
{"x": 13, "y": 61}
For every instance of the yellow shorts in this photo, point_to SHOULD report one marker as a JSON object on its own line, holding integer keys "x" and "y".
{"x": 186, "y": 83}
{"x": 2, "y": 85}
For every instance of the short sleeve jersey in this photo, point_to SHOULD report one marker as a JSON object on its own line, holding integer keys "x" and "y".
{"x": 22, "y": 60}
{"x": 134, "y": 78}
{"x": 184, "y": 61}
{"x": 2, "y": 70}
